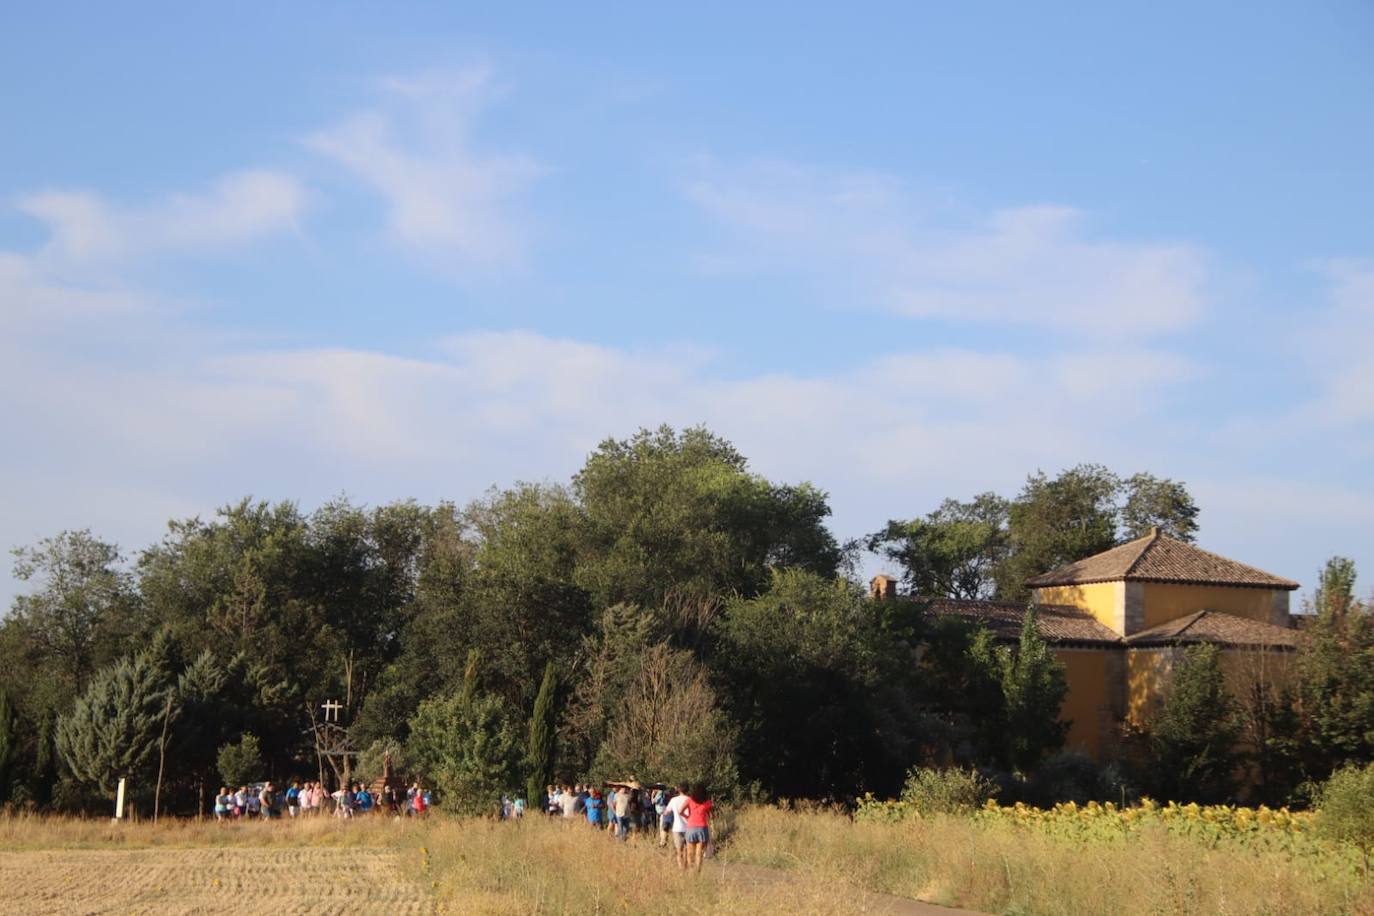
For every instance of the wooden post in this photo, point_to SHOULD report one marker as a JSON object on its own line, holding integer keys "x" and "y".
{"x": 119, "y": 801}
{"x": 161, "y": 757}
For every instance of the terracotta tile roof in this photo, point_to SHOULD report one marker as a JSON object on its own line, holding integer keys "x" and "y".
{"x": 1160, "y": 558}
{"x": 1216, "y": 627}
{"x": 1058, "y": 623}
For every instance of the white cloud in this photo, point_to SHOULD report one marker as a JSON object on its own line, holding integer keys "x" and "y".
{"x": 202, "y": 422}
{"x": 238, "y": 208}
{"x": 1026, "y": 265}
{"x": 445, "y": 199}
{"x": 1340, "y": 347}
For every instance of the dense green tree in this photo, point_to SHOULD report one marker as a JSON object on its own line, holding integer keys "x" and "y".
{"x": 524, "y": 607}
{"x": 1193, "y": 734}
{"x": 1032, "y": 685}
{"x": 114, "y": 728}
{"x": 539, "y": 752}
{"x": 1154, "y": 502}
{"x": 240, "y": 763}
{"x": 79, "y": 612}
{"x": 821, "y": 683}
{"x": 954, "y": 552}
{"x": 986, "y": 545}
{"x": 961, "y": 693}
{"x": 313, "y": 606}
{"x": 673, "y": 514}
{"x": 434, "y": 631}
{"x": 1058, "y": 520}
{"x": 201, "y": 691}
{"x": 1335, "y": 679}
{"x": 469, "y": 746}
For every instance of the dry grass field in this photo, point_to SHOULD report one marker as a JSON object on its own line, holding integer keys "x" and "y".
{"x": 815, "y": 862}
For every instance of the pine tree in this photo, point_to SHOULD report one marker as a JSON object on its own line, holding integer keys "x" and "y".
{"x": 114, "y": 728}
{"x": 540, "y": 752}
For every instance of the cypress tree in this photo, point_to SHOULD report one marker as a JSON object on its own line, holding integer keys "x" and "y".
{"x": 539, "y": 754}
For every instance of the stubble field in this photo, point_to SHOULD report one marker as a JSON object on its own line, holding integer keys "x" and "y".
{"x": 229, "y": 879}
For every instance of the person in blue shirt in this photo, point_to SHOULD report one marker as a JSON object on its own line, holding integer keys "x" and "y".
{"x": 596, "y": 809}
{"x": 293, "y": 799}
{"x": 363, "y": 799}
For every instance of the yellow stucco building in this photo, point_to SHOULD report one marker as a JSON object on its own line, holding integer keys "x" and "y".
{"x": 1119, "y": 620}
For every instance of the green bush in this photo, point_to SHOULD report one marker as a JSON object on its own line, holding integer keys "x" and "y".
{"x": 950, "y": 791}
{"x": 1346, "y": 804}
{"x": 239, "y": 764}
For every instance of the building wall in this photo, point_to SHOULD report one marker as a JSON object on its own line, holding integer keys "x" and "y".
{"x": 1244, "y": 667}
{"x": 1162, "y": 602}
{"x": 1090, "y": 706}
{"x": 1104, "y": 600}
{"x": 1148, "y": 672}
{"x": 1147, "y": 675}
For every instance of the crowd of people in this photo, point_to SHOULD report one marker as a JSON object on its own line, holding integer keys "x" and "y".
{"x": 679, "y": 815}
{"x": 264, "y": 801}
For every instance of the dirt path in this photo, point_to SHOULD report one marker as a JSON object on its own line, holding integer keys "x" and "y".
{"x": 316, "y": 880}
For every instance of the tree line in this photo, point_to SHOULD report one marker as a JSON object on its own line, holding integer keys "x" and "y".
{"x": 667, "y": 613}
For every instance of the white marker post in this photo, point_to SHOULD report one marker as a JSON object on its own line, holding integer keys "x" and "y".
{"x": 119, "y": 801}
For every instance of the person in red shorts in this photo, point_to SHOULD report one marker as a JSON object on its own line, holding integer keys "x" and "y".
{"x": 698, "y": 814}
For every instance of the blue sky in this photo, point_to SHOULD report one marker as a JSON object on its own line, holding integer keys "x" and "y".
{"x": 905, "y": 251}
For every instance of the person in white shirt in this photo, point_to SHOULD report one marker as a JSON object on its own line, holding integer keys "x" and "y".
{"x": 675, "y": 806}
{"x": 568, "y": 803}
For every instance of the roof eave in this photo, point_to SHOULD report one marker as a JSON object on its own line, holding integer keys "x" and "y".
{"x": 1287, "y": 585}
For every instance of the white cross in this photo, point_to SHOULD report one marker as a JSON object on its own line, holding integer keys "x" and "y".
{"x": 332, "y": 706}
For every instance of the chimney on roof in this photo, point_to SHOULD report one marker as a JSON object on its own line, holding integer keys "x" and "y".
{"x": 1154, "y": 531}
{"x": 882, "y": 588}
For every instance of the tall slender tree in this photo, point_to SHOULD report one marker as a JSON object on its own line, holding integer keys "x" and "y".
{"x": 539, "y": 754}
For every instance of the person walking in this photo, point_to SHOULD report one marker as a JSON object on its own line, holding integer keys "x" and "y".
{"x": 224, "y": 803}
{"x": 621, "y": 808}
{"x": 698, "y": 813}
{"x": 678, "y": 828}
{"x": 596, "y": 809}
{"x": 659, "y": 800}
{"x": 293, "y": 799}
{"x": 567, "y": 803}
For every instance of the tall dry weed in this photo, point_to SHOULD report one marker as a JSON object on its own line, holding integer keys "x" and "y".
{"x": 999, "y": 868}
